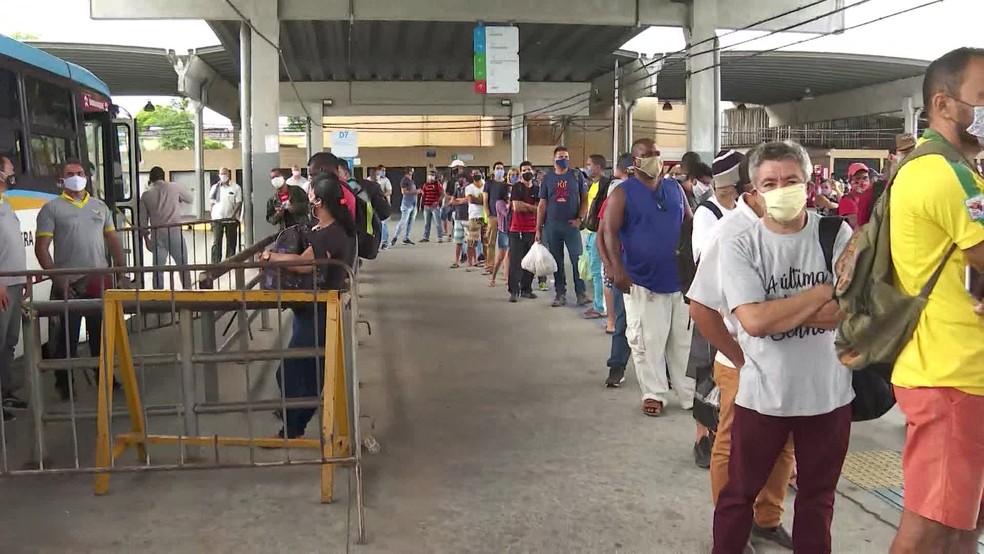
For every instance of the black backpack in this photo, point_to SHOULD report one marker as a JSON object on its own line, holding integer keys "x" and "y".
{"x": 368, "y": 226}
{"x": 292, "y": 240}
{"x": 873, "y": 395}
{"x": 686, "y": 266}
{"x": 592, "y": 221}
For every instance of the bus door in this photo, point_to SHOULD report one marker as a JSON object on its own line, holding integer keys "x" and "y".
{"x": 126, "y": 186}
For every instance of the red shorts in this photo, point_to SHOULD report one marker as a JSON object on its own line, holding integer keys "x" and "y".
{"x": 943, "y": 459}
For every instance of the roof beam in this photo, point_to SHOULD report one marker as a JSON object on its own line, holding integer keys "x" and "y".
{"x": 425, "y": 98}
{"x": 871, "y": 100}
{"x": 733, "y": 13}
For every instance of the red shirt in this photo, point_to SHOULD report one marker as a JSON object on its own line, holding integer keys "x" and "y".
{"x": 859, "y": 204}
{"x": 432, "y": 193}
{"x": 524, "y": 222}
{"x": 349, "y": 197}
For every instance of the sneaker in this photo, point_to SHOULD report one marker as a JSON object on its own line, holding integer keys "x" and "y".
{"x": 702, "y": 453}
{"x": 393, "y": 242}
{"x": 513, "y": 298}
{"x": 529, "y": 295}
{"x": 439, "y": 241}
{"x": 12, "y": 402}
{"x": 559, "y": 301}
{"x": 616, "y": 376}
{"x": 425, "y": 240}
{"x": 543, "y": 286}
{"x": 481, "y": 259}
{"x": 383, "y": 246}
{"x": 8, "y": 417}
{"x": 408, "y": 241}
{"x": 778, "y": 535}
{"x": 583, "y": 300}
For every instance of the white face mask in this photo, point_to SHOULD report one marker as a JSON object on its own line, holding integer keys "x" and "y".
{"x": 784, "y": 204}
{"x": 277, "y": 182}
{"x": 700, "y": 189}
{"x": 75, "y": 183}
{"x": 977, "y": 126}
{"x": 223, "y": 178}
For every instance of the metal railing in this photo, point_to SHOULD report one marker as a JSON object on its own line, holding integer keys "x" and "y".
{"x": 168, "y": 404}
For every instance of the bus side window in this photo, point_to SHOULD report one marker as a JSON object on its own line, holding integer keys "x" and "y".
{"x": 11, "y": 126}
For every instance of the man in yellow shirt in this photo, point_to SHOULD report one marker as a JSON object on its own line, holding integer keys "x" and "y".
{"x": 939, "y": 376}
{"x": 597, "y": 192}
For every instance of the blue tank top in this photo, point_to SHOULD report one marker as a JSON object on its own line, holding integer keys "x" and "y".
{"x": 650, "y": 234}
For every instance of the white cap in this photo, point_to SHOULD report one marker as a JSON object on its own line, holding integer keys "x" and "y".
{"x": 457, "y": 163}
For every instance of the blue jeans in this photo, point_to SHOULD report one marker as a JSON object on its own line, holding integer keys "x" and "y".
{"x": 302, "y": 377}
{"x": 620, "y": 345}
{"x": 385, "y": 233}
{"x": 559, "y": 235}
{"x": 407, "y": 215}
{"x": 594, "y": 263}
{"x": 169, "y": 242}
{"x": 432, "y": 214}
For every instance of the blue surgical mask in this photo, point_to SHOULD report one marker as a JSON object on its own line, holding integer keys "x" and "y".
{"x": 499, "y": 173}
{"x": 562, "y": 164}
{"x": 513, "y": 179}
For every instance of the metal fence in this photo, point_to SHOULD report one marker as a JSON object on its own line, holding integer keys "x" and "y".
{"x": 187, "y": 399}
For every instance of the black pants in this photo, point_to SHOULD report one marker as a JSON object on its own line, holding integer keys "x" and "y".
{"x": 303, "y": 377}
{"x": 231, "y": 231}
{"x": 520, "y": 280}
{"x": 68, "y": 347}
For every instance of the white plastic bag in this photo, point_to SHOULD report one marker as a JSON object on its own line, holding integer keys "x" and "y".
{"x": 539, "y": 261}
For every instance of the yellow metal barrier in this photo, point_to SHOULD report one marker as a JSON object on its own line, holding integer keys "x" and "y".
{"x": 336, "y": 444}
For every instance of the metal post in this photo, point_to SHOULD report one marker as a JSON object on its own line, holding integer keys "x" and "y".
{"x": 717, "y": 96}
{"x": 210, "y": 370}
{"x": 189, "y": 393}
{"x": 200, "y": 185}
{"x": 307, "y": 140}
{"x": 246, "y": 120}
{"x": 629, "y": 127}
{"x": 32, "y": 355}
{"x": 615, "y": 109}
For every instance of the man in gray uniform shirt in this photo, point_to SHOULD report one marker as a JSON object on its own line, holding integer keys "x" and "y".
{"x": 161, "y": 205}
{"x": 82, "y": 229}
{"x": 12, "y": 258}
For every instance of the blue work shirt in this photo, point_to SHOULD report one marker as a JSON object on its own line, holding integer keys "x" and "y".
{"x": 651, "y": 232}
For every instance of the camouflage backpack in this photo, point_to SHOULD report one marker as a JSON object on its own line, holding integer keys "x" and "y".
{"x": 881, "y": 319}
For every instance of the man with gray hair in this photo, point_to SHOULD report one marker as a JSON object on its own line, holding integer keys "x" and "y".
{"x": 779, "y": 288}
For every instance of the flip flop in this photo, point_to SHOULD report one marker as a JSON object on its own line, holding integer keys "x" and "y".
{"x": 593, "y": 314}
{"x": 652, "y": 408}
{"x": 455, "y": 266}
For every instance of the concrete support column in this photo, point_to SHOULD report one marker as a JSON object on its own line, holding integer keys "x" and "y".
{"x": 315, "y": 132}
{"x": 911, "y": 114}
{"x": 517, "y": 139}
{"x": 264, "y": 124}
{"x": 201, "y": 186}
{"x": 703, "y": 122}
{"x": 237, "y": 139}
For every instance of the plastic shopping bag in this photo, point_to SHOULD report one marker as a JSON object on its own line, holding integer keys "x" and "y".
{"x": 539, "y": 261}
{"x": 584, "y": 268}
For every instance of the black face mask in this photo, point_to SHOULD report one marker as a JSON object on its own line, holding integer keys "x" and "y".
{"x": 476, "y": 178}
{"x": 528, "y": 176}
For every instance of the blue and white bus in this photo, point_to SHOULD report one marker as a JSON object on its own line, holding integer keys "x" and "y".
{"x": 52, "y": 110}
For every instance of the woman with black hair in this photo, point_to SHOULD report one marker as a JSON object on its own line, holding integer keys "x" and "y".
{"x": 332, "y": 238}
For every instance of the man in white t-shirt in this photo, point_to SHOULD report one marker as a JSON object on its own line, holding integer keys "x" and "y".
{"x": 777, "y": 283}
{"x": 707, "y": 216}
{"x": 475, "y": 230}
{"x": 226, "y": 203}
{"x": 298, "y": 180}
{"x": 712, "y": 320}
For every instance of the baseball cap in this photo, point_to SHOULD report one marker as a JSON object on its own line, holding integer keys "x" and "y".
{"x": 457, "y": 163}
{"x": 856, "y": 167}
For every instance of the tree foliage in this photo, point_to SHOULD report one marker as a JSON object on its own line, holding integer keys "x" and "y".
{"x": 176, "y": 126}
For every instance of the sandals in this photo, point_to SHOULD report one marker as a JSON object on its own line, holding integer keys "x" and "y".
{"x": 652, "y": 408}
{"x": 592, "y": 313}
{"x": 492, "y": 282}
{"x": 455, "y": 266}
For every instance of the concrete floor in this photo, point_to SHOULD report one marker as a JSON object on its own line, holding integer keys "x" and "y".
{"x": 497, "y": 436}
